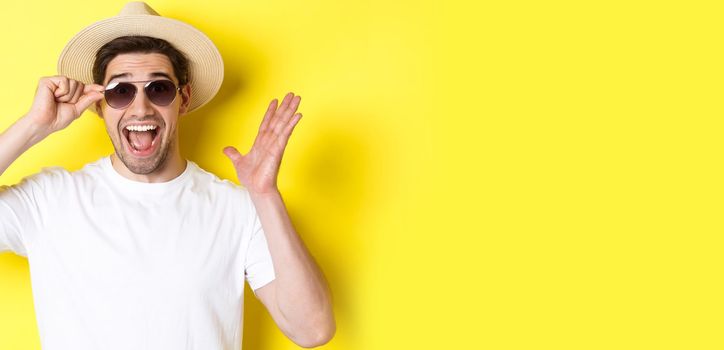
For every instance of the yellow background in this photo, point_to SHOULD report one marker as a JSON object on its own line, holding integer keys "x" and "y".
{"x": 480, "y": 175}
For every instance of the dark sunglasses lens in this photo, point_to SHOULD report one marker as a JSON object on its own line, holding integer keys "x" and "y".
{"x": 161, "y": 92}
{"x": 120, "y": 95}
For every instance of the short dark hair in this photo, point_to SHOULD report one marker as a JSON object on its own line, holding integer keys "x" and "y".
{"x": 140, "y": 44}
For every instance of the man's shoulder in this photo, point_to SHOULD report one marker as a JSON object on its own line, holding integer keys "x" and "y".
{"x": 59, "y": 174}
{"x": 47, "y": 179}
{"x": 48, "y": 174}
{"x": 213, "y": 181}
{"x": 220, "y": 189}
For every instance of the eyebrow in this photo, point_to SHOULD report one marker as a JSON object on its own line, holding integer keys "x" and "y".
{"x": 153, "y": 75}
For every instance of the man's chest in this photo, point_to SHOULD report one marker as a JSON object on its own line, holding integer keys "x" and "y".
{"x": 166, "y": 244}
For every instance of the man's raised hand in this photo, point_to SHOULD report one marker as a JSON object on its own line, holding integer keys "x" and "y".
{"x": 258, "y": 169}
{"x": 59, "y": 101}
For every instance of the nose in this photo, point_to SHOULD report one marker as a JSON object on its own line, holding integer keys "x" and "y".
{"x": 140, "y": 106}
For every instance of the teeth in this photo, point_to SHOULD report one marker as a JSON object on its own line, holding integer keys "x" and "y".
{"x": 140, "y": 127}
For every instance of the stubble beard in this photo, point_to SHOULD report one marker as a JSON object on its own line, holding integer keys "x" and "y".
{"x": 144, "y": 166}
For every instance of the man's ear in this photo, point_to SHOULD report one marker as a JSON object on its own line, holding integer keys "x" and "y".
{"x": 185, "y": 99}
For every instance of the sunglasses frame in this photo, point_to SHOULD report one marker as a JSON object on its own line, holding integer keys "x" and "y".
{"x": 148, "y": 82}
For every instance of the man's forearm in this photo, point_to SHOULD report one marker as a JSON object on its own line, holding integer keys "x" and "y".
{"x": 17, "y": 139}
{"x": 302, "y": 293}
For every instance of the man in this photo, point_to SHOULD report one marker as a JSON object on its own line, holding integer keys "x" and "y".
{"x": 143, "y": 249}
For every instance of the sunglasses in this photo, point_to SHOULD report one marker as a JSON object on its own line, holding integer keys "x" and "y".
{"x": 160, "y": 92}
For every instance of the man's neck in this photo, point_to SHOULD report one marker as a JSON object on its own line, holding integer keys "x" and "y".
{"x": 169, "y": 170}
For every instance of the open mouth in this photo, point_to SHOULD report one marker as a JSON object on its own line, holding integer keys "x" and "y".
{"x": 142, "y": 139}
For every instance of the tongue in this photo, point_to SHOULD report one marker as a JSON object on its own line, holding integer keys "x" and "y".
{"x": 141, "y": 140}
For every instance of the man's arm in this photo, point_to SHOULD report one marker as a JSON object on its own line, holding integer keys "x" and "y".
{"x": 298, "y": 298}
{"x": 58, "y": 102}
{"x": 15, "y": 140}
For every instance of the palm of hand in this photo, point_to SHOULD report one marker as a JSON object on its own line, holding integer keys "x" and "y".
{"x": 259, "y": 168}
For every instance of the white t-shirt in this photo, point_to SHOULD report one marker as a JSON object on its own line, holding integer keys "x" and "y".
{"x": 120, "y": 264}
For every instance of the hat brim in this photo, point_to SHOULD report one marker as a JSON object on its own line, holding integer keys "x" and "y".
{"x": 206, "y": 68}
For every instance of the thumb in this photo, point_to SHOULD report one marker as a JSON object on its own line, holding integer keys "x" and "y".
{"x": 233, "y": 154}
{"x": 91, "y": 94}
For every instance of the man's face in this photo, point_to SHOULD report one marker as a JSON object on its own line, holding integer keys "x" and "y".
{"x": 143, "y": 133}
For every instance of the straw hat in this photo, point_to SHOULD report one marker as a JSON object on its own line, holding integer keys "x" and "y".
{"x": 206, "y": 68}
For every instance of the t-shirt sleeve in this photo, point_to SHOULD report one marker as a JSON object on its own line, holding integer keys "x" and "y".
{"x": 19, "y": 214}
{"x": 258, "y": 267}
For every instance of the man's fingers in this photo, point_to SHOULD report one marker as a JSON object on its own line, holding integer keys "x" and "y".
{"x": 69, "y": 90}
{"x": 287, "y": 131}
{"x": 285, "y": 101}
{"x": 232, "y": 153}
{"x": 282, "y": 107}
{"x": 62, "y": 86}
{"x": 294, "y": 103}
{"x": 286, "y": 114}
{"x": 72, "y": 86}
{"x": 93, "y": 87}
{"x": 89, "y": 95}
{"x": 87, "y": 99}
{"x": 77, "y": 93}
{"x": 267, "y": 116}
